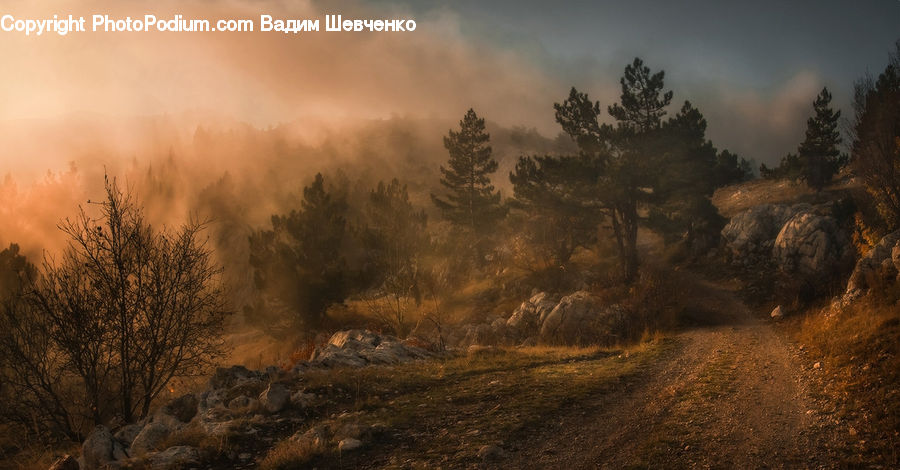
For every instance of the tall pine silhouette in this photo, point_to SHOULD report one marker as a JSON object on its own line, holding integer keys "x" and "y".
{"x": 819, "y": 155}
{"x": 471, "y": 202}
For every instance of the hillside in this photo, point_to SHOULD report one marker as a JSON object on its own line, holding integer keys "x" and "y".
{"x": 727, "y": 387}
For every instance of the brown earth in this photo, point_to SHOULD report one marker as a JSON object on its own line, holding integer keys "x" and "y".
{"x": 731, "y": 395}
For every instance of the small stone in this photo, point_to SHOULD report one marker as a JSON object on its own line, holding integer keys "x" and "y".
{"x": 490, "y": 453}
{"x": 777, "y": 313}
{"x": 275, "y": 397}
{"x": 349, "y": 444}
{"x": 817, "y": 365}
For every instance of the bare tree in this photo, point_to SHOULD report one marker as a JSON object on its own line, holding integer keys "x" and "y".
{"x": 125, "y": 310}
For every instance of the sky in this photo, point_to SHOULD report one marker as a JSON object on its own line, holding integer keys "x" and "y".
{"x": 753, "y": 68}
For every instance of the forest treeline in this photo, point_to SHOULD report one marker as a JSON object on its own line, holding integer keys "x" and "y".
{"x": 95, "y": 333}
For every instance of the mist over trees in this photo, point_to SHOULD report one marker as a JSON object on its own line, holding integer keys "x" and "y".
{"x": 97, "y": 333}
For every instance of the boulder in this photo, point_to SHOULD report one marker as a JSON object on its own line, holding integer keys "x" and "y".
{"x": 349, "y": 444}
{"x": 811, "y": 246}
{"x": 355, "y": 339}
{"x": 300, "y": 399}
{"x": 490, "y": 453}
{"x": 777, "y": 313}
{"x": 184, "y": 408}
{"x": 275, "y": 398}
{"x": 358, "y": 348}
{"x": 531, "y": 313}
{"x": 127, "y": 433}
{"x": 149, "y": 439}
{"x": 241, "y": 402}
{"x": 750, "y": 235}
{"x": 227, "y": 377}
{"x": 580, "y": 319}
{"x": 481, "y": 334}
{"x": 97, "y": 449}
{"x": 883, "y": 259}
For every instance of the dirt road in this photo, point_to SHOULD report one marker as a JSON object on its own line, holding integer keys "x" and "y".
{"x": 731, "y": 395}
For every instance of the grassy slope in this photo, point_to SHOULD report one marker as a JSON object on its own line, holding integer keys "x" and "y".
{"x": 442, "y": 412}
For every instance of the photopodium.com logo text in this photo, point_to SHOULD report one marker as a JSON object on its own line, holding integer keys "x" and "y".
{"x": 179, "y": 24}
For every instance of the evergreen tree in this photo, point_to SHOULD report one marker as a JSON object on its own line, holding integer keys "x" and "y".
{"x": 626, "y": 155}
{"x": 682, "y": 210}
{"x": 819, "y": 155}
{"x": 300, "y": 262}
{"x": 472, "y": 202}
{"x": 555, "y": 196}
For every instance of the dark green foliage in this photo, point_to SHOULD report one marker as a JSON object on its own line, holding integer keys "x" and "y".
{"x": 625, "y": 155}
{"x": 819, "y": 156}
{"x": 643, "y": 101}
{"x": 731, "y": 168}
{"x": 15, "y": 273}
{"x": 471, "y": 202}
{"x": 790, "y": 168}
{"x": 666, "y": 169}
{"x": 876, "y": 146}
{"x": 300, "y": 262}
{"x": 689, "y": 166}
{"x": 555, "y": 198}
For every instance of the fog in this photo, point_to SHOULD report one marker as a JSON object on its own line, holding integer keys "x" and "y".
{"x": 171, "y": 114}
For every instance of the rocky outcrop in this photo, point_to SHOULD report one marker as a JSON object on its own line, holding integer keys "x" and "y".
{"x": 358, "y": 348}
{"x": 97, "y": 449}
{"x": 811, "y": 245}
{"x": 750, "y": 235}
{"x": 531, "y": 314}
{"x": 275, "y": 397}
{"x": 882, "y": 262}
{"x": 581, "y": 319}
{"x": 802, "y": 241}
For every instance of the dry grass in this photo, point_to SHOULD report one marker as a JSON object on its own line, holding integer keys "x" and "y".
{"x": 289, "y": 454}
{"x": 860, "y": 350}
{"x": 737, "y": 198}
{"x": 488, "y": 395}
{"x": 33, "y": 457}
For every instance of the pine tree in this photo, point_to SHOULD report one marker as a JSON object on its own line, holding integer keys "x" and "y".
{"x": 819, "y": 154}
{"x": 300, "y": 261}
{"x": 472, "y": 202}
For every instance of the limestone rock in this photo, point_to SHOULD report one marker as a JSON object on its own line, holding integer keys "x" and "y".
{"x": 882, "y": 259}
{"x": 184, "y": 408}
{"x": 810, "y": 245}
{"x": 750, "y": 235}
{"x": 531, "y": 313}
{"x": 97, "y": 449}
{"x": 777, "y": 313}
{"x": 580, "y": 319}
{"x": 150, "y": 438}
{"x": 349, "y": 444}
{"x": 275, "y": 398}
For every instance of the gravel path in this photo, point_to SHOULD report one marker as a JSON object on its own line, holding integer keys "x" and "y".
{"x": 732, "y": 395}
